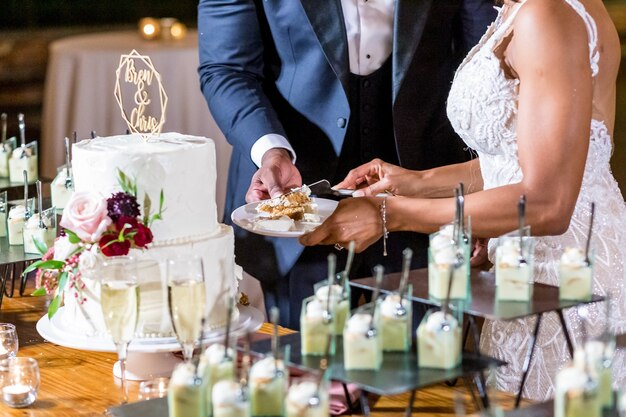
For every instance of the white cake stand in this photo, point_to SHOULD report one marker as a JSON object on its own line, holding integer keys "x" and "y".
{"x": 148, "y": 358}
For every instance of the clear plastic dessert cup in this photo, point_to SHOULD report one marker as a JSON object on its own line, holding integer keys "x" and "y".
{"x": 229, "y": 400}
{"x": 268, "y": 387}
{"x": 317, "y": 327}
{"x": 306, "y": 399}
{"x": 340, "y": 300}
{"x": 396, "y": 321}
{"x": 24, "y": 158}
{"x": 6, "y": 149}
{"x": 61, "y": 189}
{"x": 3, "y": 213}
{"x": 439, "y": 340}
{"x": 576, "y": 393}
{"x": 16, "y": 219}
{"x": 444, "y": 251}
{"x": 514, "y": 266}
{"x": 216, "y": 367}
{"x": 575, "y": 275}
{"x": 187, "y": 393}
{"x": 363, "y": 340}
{"x": 40, "y": 230}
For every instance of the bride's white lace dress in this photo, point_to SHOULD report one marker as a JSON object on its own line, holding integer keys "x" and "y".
{"x": 482, "y": 107}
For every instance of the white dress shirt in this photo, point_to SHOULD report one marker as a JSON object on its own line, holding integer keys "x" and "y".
{"x": 369, "y": 31}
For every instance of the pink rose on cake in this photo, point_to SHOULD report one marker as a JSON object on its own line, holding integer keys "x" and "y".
{"x": 94, "y": 228}
{"x": 86, "y": 215}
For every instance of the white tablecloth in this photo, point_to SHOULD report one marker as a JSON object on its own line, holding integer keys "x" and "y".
{"x": 79, "y": 93}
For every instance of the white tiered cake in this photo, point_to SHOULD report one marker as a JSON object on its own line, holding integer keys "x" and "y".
{"x": 184, "y": 168}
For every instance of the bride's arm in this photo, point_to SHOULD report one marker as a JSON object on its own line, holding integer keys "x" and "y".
{"x": 549, "y": 54}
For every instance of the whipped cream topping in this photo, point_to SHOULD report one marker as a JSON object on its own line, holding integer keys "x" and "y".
{"x": 437, "y": 319}
{"x": 215, "y": 353}
{"x": 510, "y": 252}
{"x": 445, "y": 255}
{"x": 17, "y": 212}
{"x": 315, "y": 310}
{"x": 61, "y": 177}
{"x": 571, "y": 380}
{"x": 184, "y": 374}
{"x": 300, "y": 393}
{"x": 390, "y": 304}
{"x": 226, "y": 393}
{"x": 593, "y": 353}
{"x": 33, "y": 222}
{"x": 573, "y": 258}
{"x": 335, "y": 293}
{"x": 359, "y": 323}
{"x": 26, "y": 150}
{"x": 265, "y": 368}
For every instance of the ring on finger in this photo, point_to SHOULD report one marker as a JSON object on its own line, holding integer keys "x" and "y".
{"x": 338, "y": 246}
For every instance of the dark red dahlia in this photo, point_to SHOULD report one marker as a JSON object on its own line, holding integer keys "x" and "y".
{"x": 122, "y": 204}
{"x": 143, "y": 236}
{"x": 110, "y": 247}
{"x": 130, "y": 223}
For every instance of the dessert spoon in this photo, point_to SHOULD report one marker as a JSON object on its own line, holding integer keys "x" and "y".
{"x": 407, "y": 255}
{"x": 42, "y": 225}
{"x": 26, "y": 208}
{"x": 4, "y": 127}
{"x": 315, "y": 401}
{"x": 245, "y": 369}
{"x": 588, "y": 245}
{"x": 22, "y": 128}
{"x": 378, "y": 273}
{"x": 229, "y": 316}
{"x": 327, "y": 316}
{"x": 68, "y": 166}
{"x": 521, "y": 212}
{"x": 274, "y": 319}
{"x": 345, "y": 274}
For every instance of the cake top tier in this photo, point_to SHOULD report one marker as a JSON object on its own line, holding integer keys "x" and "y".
{"x": 181, "y": 166}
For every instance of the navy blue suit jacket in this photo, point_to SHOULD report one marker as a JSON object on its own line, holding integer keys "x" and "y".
{"x": 281, "y": 66}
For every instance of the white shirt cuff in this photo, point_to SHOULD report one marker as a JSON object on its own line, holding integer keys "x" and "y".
{"x": 267, "y": 142}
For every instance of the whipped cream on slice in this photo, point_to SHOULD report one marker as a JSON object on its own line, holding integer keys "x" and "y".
{"x": 573, "y": 258}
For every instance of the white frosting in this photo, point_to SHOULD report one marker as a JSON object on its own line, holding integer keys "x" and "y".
{"x": 573, "y": 258}
{"x": 33, "y": 222}
{"x": 335, "y": 293}
{"x": 445, "y": 255}
{"x": 436, "y": 320}
{"x": 314, "y": 310}
{"x": 265, "y": 368}
{"x": 390, "y": 304}
{"x": 359, "y": 323}
{"x": 226, "y": 393}
{"x": 184, "y": 374}
{"x": 182, "y": 166}
{"x": 571, "y": 378}
{"x": 17, "y": 212}
{"x": 215, "y": 353}
{"x": 300, "y": 393}
{"x": 282, "y": 224}
{"x": 509, "y": 252}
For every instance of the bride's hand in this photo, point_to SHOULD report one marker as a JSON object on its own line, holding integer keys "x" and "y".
{"x": 355, "y": 219}
{"x": 378, "y": 176}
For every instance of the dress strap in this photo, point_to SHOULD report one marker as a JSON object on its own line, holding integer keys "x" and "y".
{"x": 592, "y": 31}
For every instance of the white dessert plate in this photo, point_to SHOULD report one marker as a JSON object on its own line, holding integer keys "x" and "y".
{"x": 246, "y": 218}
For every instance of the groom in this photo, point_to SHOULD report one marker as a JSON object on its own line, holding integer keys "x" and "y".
{"x": 308, "y": 89}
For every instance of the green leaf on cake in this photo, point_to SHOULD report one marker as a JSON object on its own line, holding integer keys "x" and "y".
{"x": 147, "y": 207}
{"x": 50, "y": 264}
{"x": 54, "y": 306}
{"x": 40, "y": 245}
{"x": 38, "y": 292}
{"x": 127, "y": 184}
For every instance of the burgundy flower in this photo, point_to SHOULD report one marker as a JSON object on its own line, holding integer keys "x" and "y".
{"x": 126, "y": 220}
{"x": 122, "y": 204}
{"x": 110, "y": 247}
{"x": 143, "y": 236}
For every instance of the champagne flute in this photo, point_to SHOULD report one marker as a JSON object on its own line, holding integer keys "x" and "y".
{"x": 186, "y": 296}
{"x": 120, "y": 306}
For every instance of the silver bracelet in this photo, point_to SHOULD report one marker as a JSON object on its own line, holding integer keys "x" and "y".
{"x": 383, "y": 216}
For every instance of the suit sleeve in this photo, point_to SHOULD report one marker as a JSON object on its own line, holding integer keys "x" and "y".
{"x": 475, "y": 16}
{"x": 231, "y": 71}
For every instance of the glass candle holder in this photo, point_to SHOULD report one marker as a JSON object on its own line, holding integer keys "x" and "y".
{"x": 154, "y": 388}
{"x": 6, "y": 149}
{"x": 24, "y": 158}
{"x": 340, "y": 300}
{"x": 396, "y": 321}
{"x": 17, "y": 217}
{"x": 439, "y": 339}
{"x": 9, "y": 343}
{"x": 575, "y": 275}
{"x": 444, "y": 251}
{"x": 362, "y": 339}
{"x": 514, "y": 266}
{"x": 20, "y": 381}
{"x": 317, "y": 326}
{"x": 306, "y": 399}
{"x": 39, "y": 232}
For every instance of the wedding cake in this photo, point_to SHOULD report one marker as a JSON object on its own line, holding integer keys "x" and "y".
{"x": 183, "y": 168}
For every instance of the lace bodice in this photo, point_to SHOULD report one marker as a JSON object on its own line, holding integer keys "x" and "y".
{"x": 482, "y": 107}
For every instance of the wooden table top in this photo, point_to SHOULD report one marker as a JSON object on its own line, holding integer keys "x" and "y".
{"x": 73, "y": 382}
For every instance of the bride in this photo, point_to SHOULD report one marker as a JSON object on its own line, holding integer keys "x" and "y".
{"x": 535, "y": 99}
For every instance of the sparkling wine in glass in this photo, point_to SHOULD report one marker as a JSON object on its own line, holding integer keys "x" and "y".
{"x": 187, "y": 301}
{"x": 120, "y": 306}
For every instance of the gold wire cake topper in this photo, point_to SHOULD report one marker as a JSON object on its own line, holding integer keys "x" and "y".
{"x": 137, "y": 71}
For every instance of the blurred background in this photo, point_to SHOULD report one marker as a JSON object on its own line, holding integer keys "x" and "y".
{"x": 27, "y": 28}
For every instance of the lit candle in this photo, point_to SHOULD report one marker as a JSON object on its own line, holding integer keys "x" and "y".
{"x": 149, "y": 28}
{"x": 178, "y": 31}
{"x": 16, "y": 395}
{"x": 166, "y": 25}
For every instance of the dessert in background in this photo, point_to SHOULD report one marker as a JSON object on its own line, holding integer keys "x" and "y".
{"x": 514, "y": 268}
{"x": 339, "y": 302}
{"x": 444, "y": 253}
{"x": 575, "y": 275}
{"x": 576, "y": 393}
{"x": 297, "y": 402}
{"x": 33, "y": 231}
{"x": 316, "y": 324}
{"x": 186, "y": 396}
{"x": 439, "y": 341}
{"x": 363, "y": 349}
{"x": 396, "y": 323}
{"x": 228, "y": 400}
{"x": 16, "y": 220}
{"x": 268, "y": 387}
{"x": 216, "y": 367}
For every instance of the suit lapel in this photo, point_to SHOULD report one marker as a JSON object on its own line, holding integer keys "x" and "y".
{"x": 409, "y": 21}
{"x": 326, "y": 18}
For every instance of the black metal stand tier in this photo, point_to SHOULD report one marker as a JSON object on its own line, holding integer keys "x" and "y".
{"x": 483, "y": 303}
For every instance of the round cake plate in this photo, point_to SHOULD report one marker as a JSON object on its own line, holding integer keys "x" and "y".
{"x": 147, "y": 357}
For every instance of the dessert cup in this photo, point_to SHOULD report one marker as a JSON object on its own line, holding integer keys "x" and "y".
{"x": 35, "y": 235}
{"x": 575, "y": 275}
{"x": 6, "y": 149}
{"x": 576, "y": 393}
{"x": 362, "y": 351}
{"x": 229, "y": 401}
{"x": 61, "y": 190}
{"x": 187, "y": 392}
{"x": 24, "y": 158}
{"x": 514, "y": 279}
{"x": 315, "y": 329}
{"x": 268, "y": 386}
{"x": 297, "y": 402}
{"x": 439, "y": 340}
{"x": 340, "y": 301}
{"x": 3, "y": 214}
{"x": 15, "y": 221}
{"x": 214, "y": 368}
{"x": 443, "y": 252}
{"x": 396, "y": 322}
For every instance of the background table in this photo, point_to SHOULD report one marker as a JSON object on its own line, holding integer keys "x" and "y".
{"x": 80, "y": 81}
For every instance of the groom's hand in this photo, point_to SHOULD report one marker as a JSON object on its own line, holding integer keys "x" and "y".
{"x": 276, "y": 176}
